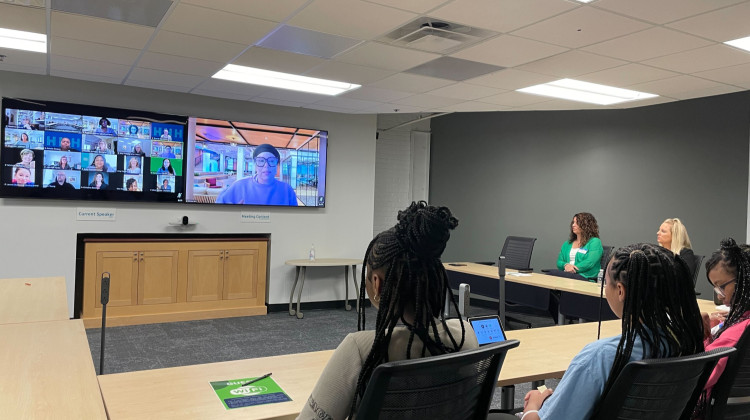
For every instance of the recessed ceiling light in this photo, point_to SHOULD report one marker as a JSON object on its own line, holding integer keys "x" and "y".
{"x": 276, "y": 79}
{"x": 741, "y": 43}
{"x": 593, "y": 93}
{"x": 584, "y": 1}
{"x": 22, "y": 40}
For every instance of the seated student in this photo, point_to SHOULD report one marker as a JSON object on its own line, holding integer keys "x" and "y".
{"x": 262, "y": 188}
{"x": 582, "y": 253}
{"x": 401, "y": 268}
{"x": 643, "y": 284}
{"x": 728, "y": 271}
{"x": 673, "y": 235}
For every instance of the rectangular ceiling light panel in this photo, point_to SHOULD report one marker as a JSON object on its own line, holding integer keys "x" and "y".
{"x": 575, "y": 90}
{"x": 741, "y": 43}
{"x": 280, "y": 80}
{"x": 22, "y": 40}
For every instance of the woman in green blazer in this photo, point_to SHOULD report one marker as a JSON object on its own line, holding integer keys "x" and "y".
{"x": 582, "y": 253}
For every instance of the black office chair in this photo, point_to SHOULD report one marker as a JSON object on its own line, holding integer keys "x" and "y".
{"x": 697, "y": 261}
{"x": 517, "y": 252}
{"x": 730, "y": 397}
{"x": 606, "y": 255}
{"x": 660, "y": 389}
{"x": 451, "y": 386}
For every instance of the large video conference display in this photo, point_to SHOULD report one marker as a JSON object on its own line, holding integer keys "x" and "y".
{"x": 60, "y": 150}
{"x": 244, "y": 163}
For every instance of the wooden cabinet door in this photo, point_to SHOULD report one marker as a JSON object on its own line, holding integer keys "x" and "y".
{"x": 157, "y": 280}
{"x": 205, "y": 275}
{"x": 123, "y": 274}
{"x": 241, "y": 274}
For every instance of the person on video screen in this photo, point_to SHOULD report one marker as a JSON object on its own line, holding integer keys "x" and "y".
{"x": 166, "y": 168}
{"x": 165, "y": 135}
{"x": 104, "y": 128}
{"x": 65, "y": 144}
{"x": 132, "y": 184}
{"x": 262, "y": 188}
{"x": 22, "y": 177}
{"x": 27, "y": 159}
{"x": 134, "y": 166}
{"x": 99, "y": 164}
{"x": 63, "y": 164}
{"x": 98, "y": 182}
{"x": 61, "y": 182}
{"x": 138, "y": 149}
{"x": 101, "y": 146}
{"x": 167, "y": 153}
{"x": 165, "y": 185}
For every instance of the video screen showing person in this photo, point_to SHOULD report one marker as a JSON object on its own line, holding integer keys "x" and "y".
{"x": 62, "y": 141}
{"x": 132, "y": 183}
{"x": 25, "y": 119}
{"x": 98, "y": 162}
{"x": 167, "y": 132}
{"x": 130, "y": 164}
{"x": 62, "y": 160}
{"x": 165, "y": 183}
{"x": 166, "y": 166}
{"x": 27, "y": 158}
{"x": 20, "y": 176}
{"x": 63, "y": 122}
{"x": 62, "y": 180}
{"x": 95, "y": 180}
{"x": 134, "y": 129}
{"x": 25, "y": 139}
{"x": 126, "y": 146}
{"x": 98, "y": 144}
{"x": 100, "y": 126}
{"x": 166, "y": 149}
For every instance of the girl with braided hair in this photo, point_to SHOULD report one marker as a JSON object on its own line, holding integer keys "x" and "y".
{"x": 728, "y": 271}
{"x": 406, "y": 281}
{"x": 650, "y": 290}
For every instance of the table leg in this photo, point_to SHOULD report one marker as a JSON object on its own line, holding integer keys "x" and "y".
{"x": 507, "y": 397}
{"x": 291, "y": 295}
{"x": 537, "y": 384}
{"x": 356, "y": 288}
{"x": 299, "y": 294}
{"x": 347, "y": 306}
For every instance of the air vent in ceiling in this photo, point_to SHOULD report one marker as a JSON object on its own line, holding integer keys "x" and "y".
{"x": 436, "y": 36}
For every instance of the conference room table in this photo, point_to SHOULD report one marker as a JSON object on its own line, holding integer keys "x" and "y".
{"x": 33, "y": 300}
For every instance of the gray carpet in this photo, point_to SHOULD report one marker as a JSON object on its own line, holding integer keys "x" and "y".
{"x": 155, "y": 346}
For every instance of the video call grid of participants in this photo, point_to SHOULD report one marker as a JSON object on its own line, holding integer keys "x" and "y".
{"x": 86, "y": 152}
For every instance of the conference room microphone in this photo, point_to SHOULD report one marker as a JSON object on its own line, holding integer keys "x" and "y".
{"x": 601, "y": 298}
{"x": 501, "y": 288}
{"x": 104, "y": 300}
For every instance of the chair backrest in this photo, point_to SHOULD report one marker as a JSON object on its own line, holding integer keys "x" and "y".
{"x": 697, "y": 260}
{"x": 730, "y": 397}
{"x": 605, "y": 256}
{"x": 660, "y": 389}
{"x": 452, "y": 386}
{"x": 517, "y": 252}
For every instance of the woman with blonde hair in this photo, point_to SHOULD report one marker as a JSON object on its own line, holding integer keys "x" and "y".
{"x": 673, "y": 235}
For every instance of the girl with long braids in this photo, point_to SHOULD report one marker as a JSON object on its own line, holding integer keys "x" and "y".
{"x": 728, "y": 271}
{"x": 406, "y": 281}
{"x": 651, "y": 291}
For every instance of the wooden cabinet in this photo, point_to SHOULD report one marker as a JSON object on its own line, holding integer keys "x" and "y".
{"x": 174, "y": 281}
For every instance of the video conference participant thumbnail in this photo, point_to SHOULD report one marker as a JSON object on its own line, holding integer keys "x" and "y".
{"x": 63, "y": 122}
{"x": 132, "y": 183}
{"x": 21, "y": 176}
{"x": 134, "y": 129}
{"x": 25, "y": 139}
{"x": 29, "y": 120}
{"x": 167, "y": 132}
{"x": 261, "y": 188}
{"x": 165, "y": 183}
{"x": 98, "y": 144}
{"x": 98, "y": 162}
{"x": 101, "y": 126}
{"x": 62, "y": 141}
{"x": 166, "y": 149}
{"x": 132, "y": 164}
{"x": 166, "y": 166}
{"x": 127, "y": 146}
{"x": 62, "y": 180}
{"x": 62, "y": 160}
{"x": 95, "y": 180}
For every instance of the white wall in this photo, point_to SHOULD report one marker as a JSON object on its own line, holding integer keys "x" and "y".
{"x": 39, "y": 236}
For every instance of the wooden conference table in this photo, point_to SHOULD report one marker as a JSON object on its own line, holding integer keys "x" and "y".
{"x": 301, "y": 265}
{"x": 33, "y": 300}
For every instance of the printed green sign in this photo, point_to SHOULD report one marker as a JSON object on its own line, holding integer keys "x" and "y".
{"x": 233, "y": 395}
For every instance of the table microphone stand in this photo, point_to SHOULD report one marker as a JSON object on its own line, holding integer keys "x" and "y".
{"x": 601, "y": 297}
{"x": 105, "y": 301}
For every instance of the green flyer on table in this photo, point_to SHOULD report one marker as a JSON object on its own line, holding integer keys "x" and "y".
{"x": 233, "y": 395}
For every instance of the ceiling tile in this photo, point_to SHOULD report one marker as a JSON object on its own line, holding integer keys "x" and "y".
{"x": 580, "y": 27}
{"x": 368, "y": 93}
{"x": 327, "y": 108}
{"x": 428, "y": 101}
{"x": 270, "y": 101}
{"x": 646, "y": 102}
{"x": 509, "y": 51}
{"x": 465, "y": 91}
{"x": 93, "y": 51}
{"x": 282, "y": 61}
{"x": 627, "y": 75}
{"x": 219, "y": 94}
{"x": 511, "y": 79}
{"x": 165, "y": 78}
{"x": 304, "y": 41}
{"x": 701, "y": 59}
{"x": 651, "y": 43}
{"x": 675, "y": 87}
{"x": 416, "y": 6}
{"x": 139, "y": 12}
{"x": 21, "y": 18}
{"x": 375, "y": 54}
{"x": 709, "y": 91}
{"x": 572, "y": 64}
{"x": 183, "y": 45}
{"x": 721, "y": 25}
{"x": 87, "y": 77}
{"x": 215, "y": 24}
{"x": 242, "y": 89}
{"x": 501, "y": 15}
{"x": 473, "y": 106}
{"x": 159, "y": 86}
{"x": 275, "y": 10}
{"x": 347, "y": 103}
{"x": 560, "y": 105}
{"x": 394, "y": 109}
{"x": 663, "y": 11}
{"x": 104, "y": 31}
{"x": 41, "y": 69}
{"x": 111, "y": 71}
{"x": 455, "y": 69}
{"x": 514, "y": 99}
{"x": 176, "y": 64}
{"x": 410, "y": 83}
{"x": 339, "y": 17}
{"x": 350, "y": 73}
{"x": 734, "y": 75}
{"x": 19, "y": 58}
{"x": 292, "y": 96}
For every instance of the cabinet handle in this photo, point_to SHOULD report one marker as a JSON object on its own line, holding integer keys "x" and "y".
{"x": 226, "y": 254}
